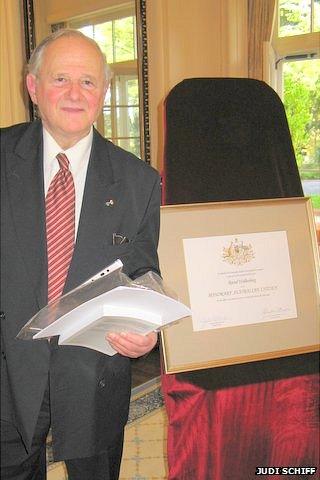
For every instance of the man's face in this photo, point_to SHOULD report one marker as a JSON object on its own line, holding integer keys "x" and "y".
{"x": 69, "y": 89}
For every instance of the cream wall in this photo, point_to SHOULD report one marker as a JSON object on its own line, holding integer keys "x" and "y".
{"x": 188, "y": 38}
{"x": 58, "y": 10}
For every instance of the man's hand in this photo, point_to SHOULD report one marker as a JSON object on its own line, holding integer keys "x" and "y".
{"x": 132, "y": 345}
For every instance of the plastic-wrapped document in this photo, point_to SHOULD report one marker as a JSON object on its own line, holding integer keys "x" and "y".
{"x": 108, "y": 302}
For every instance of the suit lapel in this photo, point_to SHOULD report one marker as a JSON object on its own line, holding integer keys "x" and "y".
{"x": 25, "y": 185}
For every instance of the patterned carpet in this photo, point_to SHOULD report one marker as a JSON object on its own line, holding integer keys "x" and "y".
{"x": 144, "y": 456}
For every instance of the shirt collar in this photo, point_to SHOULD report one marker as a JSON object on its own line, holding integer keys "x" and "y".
{"x": 77, "y": 154}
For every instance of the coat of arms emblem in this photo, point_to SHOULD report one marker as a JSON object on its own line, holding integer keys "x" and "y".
{"x": 237, "y": 253}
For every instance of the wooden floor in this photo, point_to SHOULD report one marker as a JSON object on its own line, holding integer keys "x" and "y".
{"x": 145, "y": 368}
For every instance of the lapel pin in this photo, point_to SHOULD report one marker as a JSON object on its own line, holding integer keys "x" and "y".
{"x": 109, "y": 203}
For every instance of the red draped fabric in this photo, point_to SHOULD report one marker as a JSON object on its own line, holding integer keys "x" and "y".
{"x": 224, "y": 434}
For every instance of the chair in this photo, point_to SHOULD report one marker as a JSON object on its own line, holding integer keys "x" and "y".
{"x": 228, "y": 139}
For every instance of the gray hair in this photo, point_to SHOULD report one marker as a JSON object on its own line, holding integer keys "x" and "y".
{"x": 36, "y": 58}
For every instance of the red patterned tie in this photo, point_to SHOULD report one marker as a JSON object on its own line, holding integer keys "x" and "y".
{"x": 60, "y": 213}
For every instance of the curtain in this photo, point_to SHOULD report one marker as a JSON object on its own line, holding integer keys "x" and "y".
{"x": 225, "y": 434}
{"x": 260, "y": 22}
{"x": 12, "y": 92}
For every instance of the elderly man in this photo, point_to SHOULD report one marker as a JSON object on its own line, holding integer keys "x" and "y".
{"x": 66, "y": 191}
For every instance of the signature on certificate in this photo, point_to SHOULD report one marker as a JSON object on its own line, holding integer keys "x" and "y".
{"x": 268, "y": 313}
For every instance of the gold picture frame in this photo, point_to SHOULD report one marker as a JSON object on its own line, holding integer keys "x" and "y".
{"x": 187, "y": 350}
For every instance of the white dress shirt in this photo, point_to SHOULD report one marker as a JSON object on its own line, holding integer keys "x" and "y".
{"x": 78, "y": 157}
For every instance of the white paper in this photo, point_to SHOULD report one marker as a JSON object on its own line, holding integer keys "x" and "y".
{"x": 120, "y": 309}
{"x": 239, "y": 279}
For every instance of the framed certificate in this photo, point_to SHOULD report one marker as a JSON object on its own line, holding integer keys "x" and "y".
{"x": 249, "y": 270}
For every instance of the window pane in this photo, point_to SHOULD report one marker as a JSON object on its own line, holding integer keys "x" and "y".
{"x": 134, "y": 121}
{"x": 107, "y": 122}
{"x": 107, "y": 98}
{"x": 127, "y": 90}
{"x": 302, "y": 104}
{"x": 130, "y": 144}
{"x": 127, "y": 121}
{"x": 88, "y": 30}
{"x": 103, "y": 36}
{"x": 133, "y": 91}
{"x": 294, "y": 17}
{"x": 124, "y": 39}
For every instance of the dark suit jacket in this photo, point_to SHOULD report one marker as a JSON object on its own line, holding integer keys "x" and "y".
{"x": 89, "y": 391}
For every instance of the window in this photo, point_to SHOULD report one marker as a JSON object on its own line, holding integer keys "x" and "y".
{"x": 298, "y": 17}
{"x": 115, "y": 32}
{"x": 121, "y": 113}
{"x": 297, "y": 43}
{"x": 302, "y": 103}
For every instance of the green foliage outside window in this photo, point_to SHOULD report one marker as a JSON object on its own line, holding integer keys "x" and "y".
{"x": 302, "y": 104}
{"x": 295, "y": 17}
{"x": 116, "y": 38}
{"x": 124, "y": 40}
